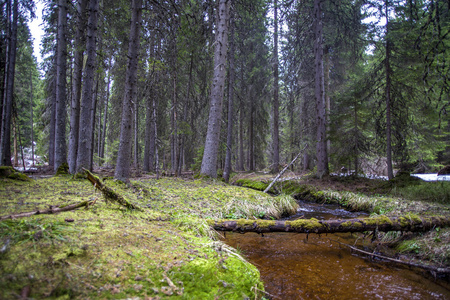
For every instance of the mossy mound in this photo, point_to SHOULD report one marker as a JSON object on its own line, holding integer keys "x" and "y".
{"x": 63, "y": 169}
{"x": 11, "y": 173}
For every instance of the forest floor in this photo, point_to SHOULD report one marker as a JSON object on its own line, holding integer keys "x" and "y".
{"x": 166, "y": 249}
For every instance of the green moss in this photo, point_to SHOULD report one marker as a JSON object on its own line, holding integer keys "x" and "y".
{"x": 352, "y": 224}
{"x": 378, "y": 220}
{"x": 408, "y": 219}
{"x": 308, "y": 224}
{"x": 11, "y": 173}
{"x": 228, "y": 278}
{"x": 253, "y": 184}
{"x": 19, "y": 176}
{"x": 63, "y": 169}
{"x": 112, "y": 246}
{"x": 245, "y": 222}
{"x": 5, "y": 171}
{"x": 265, "y": 223}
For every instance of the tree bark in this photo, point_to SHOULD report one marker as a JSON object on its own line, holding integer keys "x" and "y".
{"x": 122, "y": 171}
{"x": 241, "y": 126}
{"x": 173, "y": 123}
{"x": 251, "y": 148}
{"x": 150, "y": 124}
{"x": 87, "y": 101}
{"x": 148, "y": 159}
{"x": 61, "y": 67}
{"x": 275, "y": 137}
{"x": 321, "y": 143}
{"x": 93, "y": 118}
{"x": 411, "y": 223}
{"x": 209, "y": 161}
{"x": 51, "y": 137}
{"x": 231, "y": 71}
{"x": 31, "y": 119}
{"x": 5, "y": 138}
{"x": 76, "y": 85}
{"x": 105, "y": 115}
{"x": 388, "y": 99}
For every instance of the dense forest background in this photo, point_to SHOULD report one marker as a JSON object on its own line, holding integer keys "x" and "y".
{"x": 228, "y": 85}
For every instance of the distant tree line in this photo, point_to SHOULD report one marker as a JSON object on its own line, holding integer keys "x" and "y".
{"x": 227, "y": 85}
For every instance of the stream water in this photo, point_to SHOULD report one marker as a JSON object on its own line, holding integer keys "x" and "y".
{"x": 297, "y": 266}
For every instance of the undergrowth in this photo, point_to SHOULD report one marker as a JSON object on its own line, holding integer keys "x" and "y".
{"x": 436, "y": 192}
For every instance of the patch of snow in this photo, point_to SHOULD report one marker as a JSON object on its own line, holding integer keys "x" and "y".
{"x": 432, "y": 177}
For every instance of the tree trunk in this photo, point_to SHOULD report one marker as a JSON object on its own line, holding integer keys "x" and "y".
{"x": 381, "y": 223}
{"x": 4, "y": 7}
{"x": 76, "y": 85}
{"x": 122, "y": 171}
{"x": 173, "y": 124}
{"x": 101, "y": 101}
{"x": 31, "y": 119}
{"x": 327, "y": 97}
{"x": 5, "y": 138}
{"x": 321, "y": 143}
{"x": 356, "y": 146}
{"x": 87, "y": 100}
{"x": 231, "y": 71}
{"x": 93, "y": 113}
{"x": 183, "y": 136}
{"x": 15, "y": 153}
{"x": 251, "y": 156}
{"x": 148, "y": 133}
{"x": 241, "y": 127}
{"x": 61, "y": 66}
{"x": 136, "y": 134}
{"x": 51, "y": 138}
{"x": 275, "y": 137}
{"x": 105, "y": 115}
{"x": 388, "y": 99}
{"x": 209, "y": 162}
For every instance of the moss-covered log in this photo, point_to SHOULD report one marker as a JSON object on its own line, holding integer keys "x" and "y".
{"x": 108, "y": 193}
{"x": 408, "y": 222}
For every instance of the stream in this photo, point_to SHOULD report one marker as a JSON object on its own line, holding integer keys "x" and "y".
{"x": 297, "y": 266}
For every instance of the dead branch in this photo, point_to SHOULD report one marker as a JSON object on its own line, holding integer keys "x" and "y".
{"x": 383, "y": 257}
{"x": 51, "y": 210}
{"x": 284, "y": 170}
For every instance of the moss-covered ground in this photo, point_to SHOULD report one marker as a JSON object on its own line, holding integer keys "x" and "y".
{"x": 167, "y": 250}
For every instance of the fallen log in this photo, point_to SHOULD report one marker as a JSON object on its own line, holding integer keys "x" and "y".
{"x": 51, "y": 210}
{"x": 409, "y": 222}
{"x": 109, "y": 194}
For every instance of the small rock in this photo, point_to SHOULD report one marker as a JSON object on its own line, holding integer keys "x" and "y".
{"x": 138, "y": 278}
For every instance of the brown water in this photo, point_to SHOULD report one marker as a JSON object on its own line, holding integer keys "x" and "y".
{"x": 296, "y": 266}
